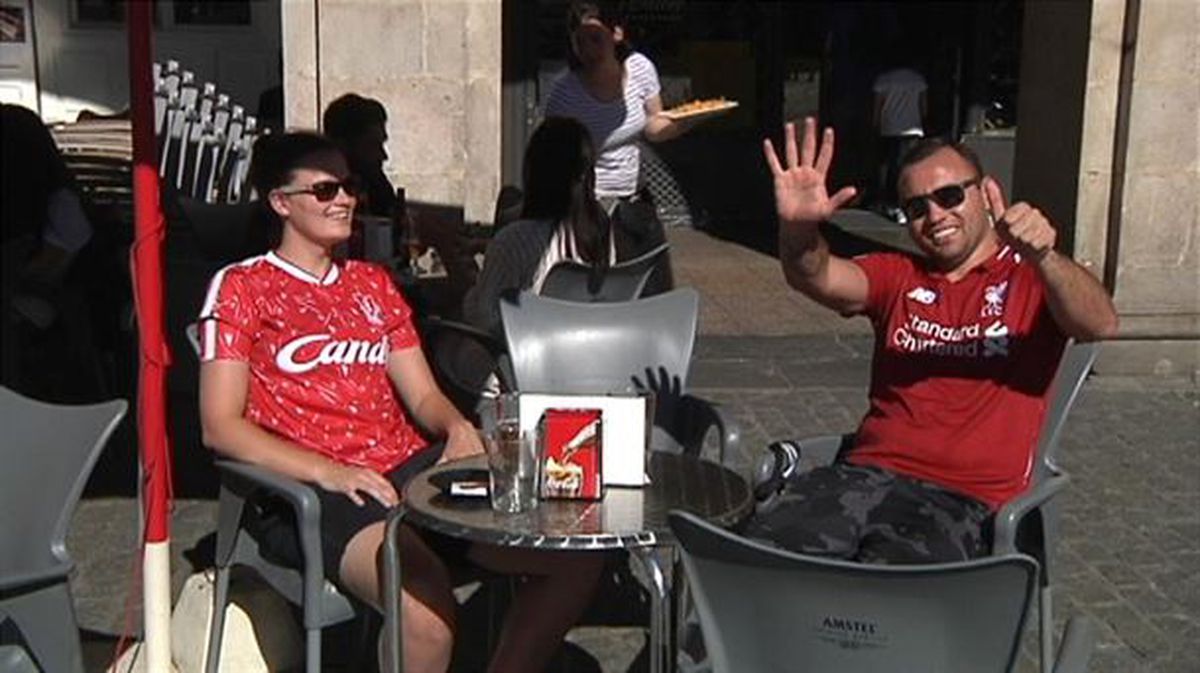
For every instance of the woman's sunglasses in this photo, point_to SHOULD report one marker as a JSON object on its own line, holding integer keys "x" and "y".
{"x": 326, "y": 190}
{"x": 946, "y": 197}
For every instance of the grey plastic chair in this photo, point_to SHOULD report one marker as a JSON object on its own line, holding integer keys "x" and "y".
{"x": 463, "y": 356}
{"x": 303, "y": 584}
{"x": 766, "y": 609}
{"x": 1028, "y": 523}
{"x": 49, "y": 451}
{"x": 14, "y": 659}
{"x": 621, "y": 282}
{"x": 557, "y": 346}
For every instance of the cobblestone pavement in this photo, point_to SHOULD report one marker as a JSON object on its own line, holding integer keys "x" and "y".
{"x": 783, "y": 367}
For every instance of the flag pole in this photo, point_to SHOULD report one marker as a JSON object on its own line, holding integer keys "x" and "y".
{"x": 154, "y": 356}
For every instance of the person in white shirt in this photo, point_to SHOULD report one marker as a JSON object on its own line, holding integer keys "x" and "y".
{"x": 900, "y": 109}
{"x": 614, "y": 92}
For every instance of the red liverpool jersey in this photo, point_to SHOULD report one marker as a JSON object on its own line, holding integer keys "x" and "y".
{"x": 960, "y": 374}
{"x": 318, "y": 351}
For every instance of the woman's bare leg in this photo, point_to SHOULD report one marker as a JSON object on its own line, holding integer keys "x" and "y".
{"x": 427, "y": 605}
{"x": 558, "y": 589}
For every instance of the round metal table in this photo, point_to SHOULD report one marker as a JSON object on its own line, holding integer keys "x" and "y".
{"x": 634, "y": 519}
{"x": 626, "y": 518}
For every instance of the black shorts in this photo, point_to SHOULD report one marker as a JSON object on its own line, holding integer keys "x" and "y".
{"x": 341, "y": 520}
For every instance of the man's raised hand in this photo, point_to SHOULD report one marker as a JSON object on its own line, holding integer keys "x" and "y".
{"x": 800, "y": 192}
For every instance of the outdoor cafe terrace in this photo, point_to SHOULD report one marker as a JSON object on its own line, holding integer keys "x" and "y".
{"x": 784, "y": 367}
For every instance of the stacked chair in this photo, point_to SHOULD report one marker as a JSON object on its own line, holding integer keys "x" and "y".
{"x": 204, "y": 145}
{"x": 99, "y": 154}
{"x": 204, "y": 142}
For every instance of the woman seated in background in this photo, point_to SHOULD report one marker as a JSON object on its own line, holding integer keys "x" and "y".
{"x": 561, "y": 220}
{"x": 302, "y": 359}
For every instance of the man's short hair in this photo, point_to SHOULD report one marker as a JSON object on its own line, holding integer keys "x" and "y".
{"x": 927, "y": 147}
{"x": 347, "y": 117}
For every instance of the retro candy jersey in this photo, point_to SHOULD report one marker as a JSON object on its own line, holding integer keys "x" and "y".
{"x": 960, "y": 375}
{"x": 317, "y": 350}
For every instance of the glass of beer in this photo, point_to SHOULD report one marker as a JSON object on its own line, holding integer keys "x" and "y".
{"x": 513, "y": 460}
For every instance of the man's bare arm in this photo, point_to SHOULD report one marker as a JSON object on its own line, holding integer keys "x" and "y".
{"x": 802, "y": 203}
{"x": 1079, "y": 303}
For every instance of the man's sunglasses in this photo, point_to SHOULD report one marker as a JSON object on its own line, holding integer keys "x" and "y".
{"x": 326, "y": 190}
{"x": 950, "y": 196}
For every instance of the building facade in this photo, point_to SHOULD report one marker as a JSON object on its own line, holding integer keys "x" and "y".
{"x": 1088, "y": 109}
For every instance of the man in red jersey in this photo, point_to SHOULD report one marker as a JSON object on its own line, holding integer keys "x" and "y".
{"x": 967, "y": 339}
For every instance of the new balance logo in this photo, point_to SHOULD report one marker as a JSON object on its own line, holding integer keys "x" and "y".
{"x": 922, "y": 295}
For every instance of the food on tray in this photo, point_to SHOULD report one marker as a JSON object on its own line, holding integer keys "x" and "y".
{"x": 703, "y": 106}
{"x": 700, "y": 105}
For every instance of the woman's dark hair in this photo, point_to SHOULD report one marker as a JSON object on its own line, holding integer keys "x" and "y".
{"x": 606, "y": 13}
{"x": 276, "y": 156}
{"x": 560, "y": 185}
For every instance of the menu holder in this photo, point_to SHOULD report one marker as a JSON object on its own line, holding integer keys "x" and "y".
{"x": 624, "y": 429}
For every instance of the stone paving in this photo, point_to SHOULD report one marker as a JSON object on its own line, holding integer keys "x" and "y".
{"x": 783, "y": 367}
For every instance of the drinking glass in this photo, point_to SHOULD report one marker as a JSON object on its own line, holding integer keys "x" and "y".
{"x": 513, "y": 460}
{"x": 512, "y": 468}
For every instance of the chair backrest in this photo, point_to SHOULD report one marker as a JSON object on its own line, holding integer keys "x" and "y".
{"x": 1073, "y": 368}
{"x": 569, "y": 347}
{"x": 766, "y": 609}
{"x": 49, "y": 451}
{"x": 621, "y": 282}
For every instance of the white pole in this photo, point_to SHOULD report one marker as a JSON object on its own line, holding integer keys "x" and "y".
{"x": 156, "y": 605}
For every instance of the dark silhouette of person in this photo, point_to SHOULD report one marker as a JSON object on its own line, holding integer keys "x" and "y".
{"x": 359, "y": 126}
{"x": 43, "y": 228}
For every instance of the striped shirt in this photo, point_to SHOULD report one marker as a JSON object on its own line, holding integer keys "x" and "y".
{"x": 615, "y": 126}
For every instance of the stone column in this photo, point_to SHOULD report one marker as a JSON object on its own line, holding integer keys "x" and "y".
{"x": 300, "y": 64}
{"x": 1157, "y": 252}
{"x": 434, "y": 64}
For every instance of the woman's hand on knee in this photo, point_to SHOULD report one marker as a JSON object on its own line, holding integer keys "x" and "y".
{"x": 356, "y": 482}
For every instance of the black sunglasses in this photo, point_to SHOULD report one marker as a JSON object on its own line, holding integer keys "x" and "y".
{"x": 946, "y": 197}
{"x": 326, "y": 190}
